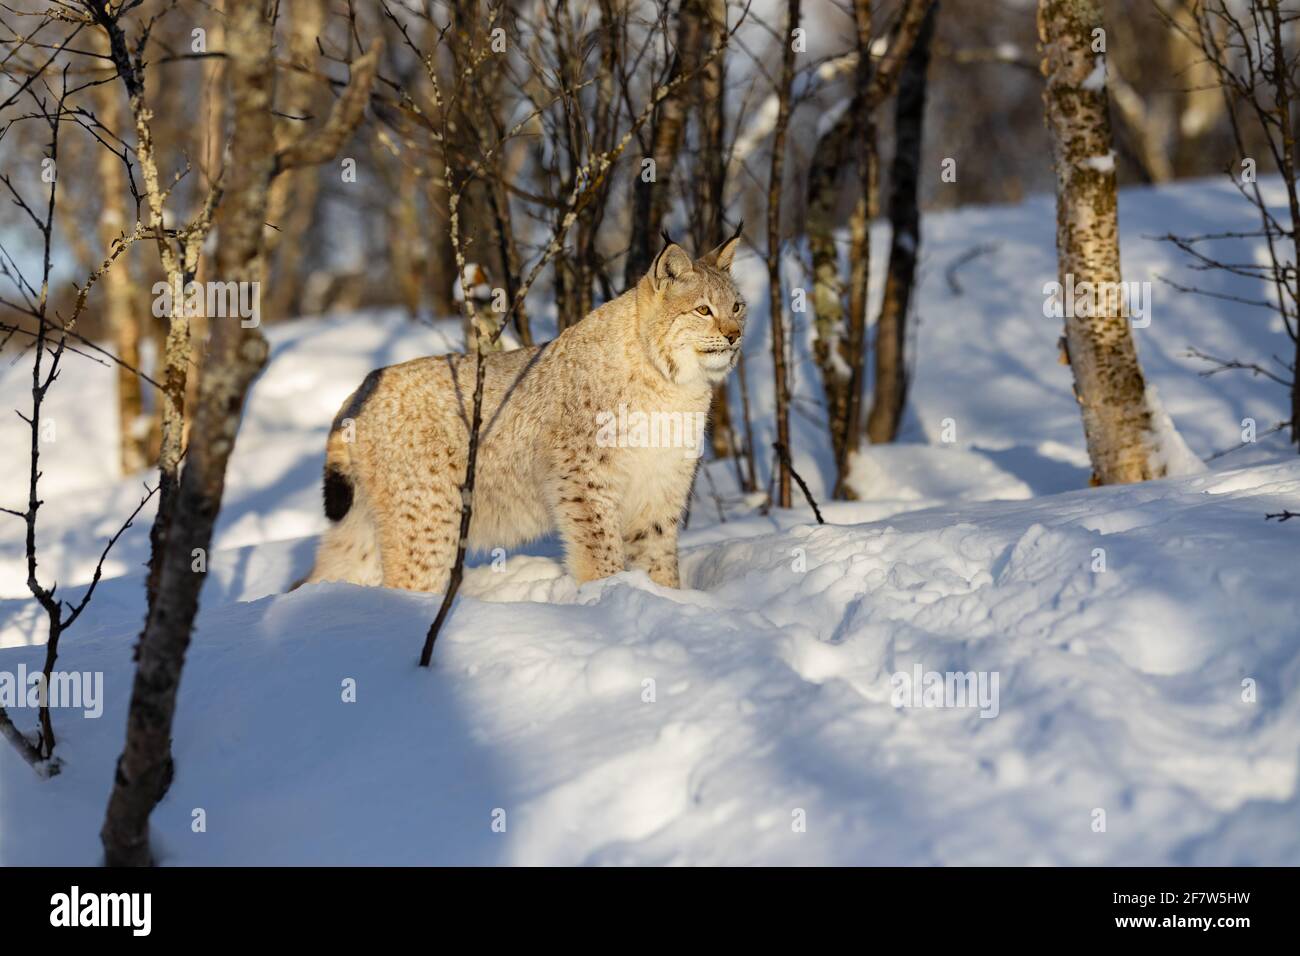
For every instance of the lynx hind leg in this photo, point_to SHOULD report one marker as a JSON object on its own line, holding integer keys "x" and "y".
{"x": 418, "y": 532}
{"x": 349, "y": 550}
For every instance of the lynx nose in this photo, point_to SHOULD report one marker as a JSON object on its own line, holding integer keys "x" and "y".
{"x": 731, "y": 333}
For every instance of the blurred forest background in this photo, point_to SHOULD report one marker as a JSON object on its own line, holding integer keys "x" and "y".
{"x": 572, "y": 81}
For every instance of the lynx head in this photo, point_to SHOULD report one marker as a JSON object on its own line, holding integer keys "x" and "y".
{"x": 692, "y": 314}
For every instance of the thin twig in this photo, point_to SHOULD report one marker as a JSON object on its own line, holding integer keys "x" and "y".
{"x": 783, "y": 454}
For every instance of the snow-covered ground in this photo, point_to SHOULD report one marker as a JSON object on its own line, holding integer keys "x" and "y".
{"x": 1135, "y": 652}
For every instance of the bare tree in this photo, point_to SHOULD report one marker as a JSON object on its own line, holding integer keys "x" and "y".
{"x": 178, "y": 251}
{"x": 839, "y": 303}
{"x": 1099, "y": 343}
{"x": 830, "y": 347}
{"x": 861, "y": 116}
{"x": 776, "y": 298}
{"x": 1246, "y": 48}
{"x": 1161, "y": 125}
{"x": 709, "y": 208}
{"x": 236, "y": 354}
{"x": 905, "y": 240}
{"x": 650, "y": 197}
{"x": 478, "y": 125}
{"x": 122, "y": 305}
{"x": 293, "y": 196}
{"x": 50, "y": 344}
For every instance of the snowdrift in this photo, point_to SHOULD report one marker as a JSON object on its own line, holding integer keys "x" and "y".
{"x": 1133, "y": 654}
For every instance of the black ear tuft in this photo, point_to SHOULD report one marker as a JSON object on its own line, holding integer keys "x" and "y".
{"x": 722, "y": 257}
{"x": 668, "y": 240}
{"x": 671, "y": 263}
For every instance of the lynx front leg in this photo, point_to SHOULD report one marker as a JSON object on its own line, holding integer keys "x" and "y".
{"x": 652, "y": 548}
{"x": 585, "y": 514}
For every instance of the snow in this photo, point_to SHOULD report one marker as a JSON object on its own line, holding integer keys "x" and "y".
{"x": 1096, "y": 80}
{"x": 475, "y": 278}
{"x": 1101, "y": 164}
{"x": 1140, "y": 640}
{"x": 933, "y": 475}
{"x": 826, "y": 120}
{"x": 1170, "y": 452}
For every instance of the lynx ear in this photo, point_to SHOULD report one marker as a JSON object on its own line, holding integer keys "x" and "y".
{"x": 671, "y": 263}
{"x": 721, "y": 257}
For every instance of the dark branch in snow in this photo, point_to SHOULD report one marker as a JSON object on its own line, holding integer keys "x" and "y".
{"x": 784, "y": 454}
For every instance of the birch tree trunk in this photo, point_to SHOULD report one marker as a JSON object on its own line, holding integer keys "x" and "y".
{"x": 840, "y": 306}
{"x": 293, "y": 195}
{"x": 214, "y": 95}
{"x": 235, "y": 356}
{"x": 711, "y": 116}
{"x": 1100, "y": 348}
{"x": 862, "y": 111}
{"x": 478, "y": 131}
{"x": 830, "y": 345}
{"x": 711, "y": 182}
{"x": 1200, "y": 99}
{"x": 213, "y": 154}
{"x": 406, "y": 247}
{"x": 1281, "y": 78}
{"x": 890, "y": 392}
{"x": 441, "y": 266}
{"x": 776, "y": 301}
{"x": 121, "y": 310}
{"x": 442, "y": 257}
{"x": 179, "y": 264}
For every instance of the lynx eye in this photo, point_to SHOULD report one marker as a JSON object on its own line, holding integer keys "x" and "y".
{"x": 703, "y": 310}
{"x": 735, "y": 307}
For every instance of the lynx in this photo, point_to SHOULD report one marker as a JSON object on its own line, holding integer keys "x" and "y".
{"x": 397, "y": 451}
